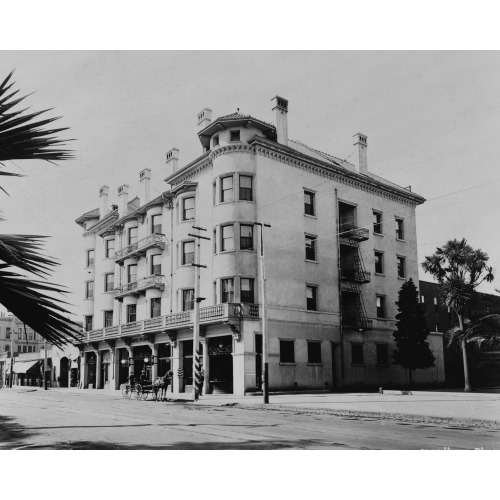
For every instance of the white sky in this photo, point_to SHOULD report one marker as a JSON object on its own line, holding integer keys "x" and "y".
{"x": 431, "y": 120}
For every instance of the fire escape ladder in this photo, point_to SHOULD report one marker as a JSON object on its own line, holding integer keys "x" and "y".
{"x": 359, "y": 265}
{"x": 355, "y": 288}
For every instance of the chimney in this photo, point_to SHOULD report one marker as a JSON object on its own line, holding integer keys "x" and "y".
{"x": 123, "y": 193}
{"x": 145, "y": 176}
{"x": 281, "y": 107}
{"x": 361, "y": 142}
{"x": 204, "y": 118}
{"x": 103, "y": 194}
{"x": 172, "y": 161}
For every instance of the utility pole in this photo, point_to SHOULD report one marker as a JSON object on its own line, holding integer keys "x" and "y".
{"x": 196, "y": 322}
{"x": 45, "y": 365}
{"x": 11, "y": 352}
{"x": 265, "y": 372}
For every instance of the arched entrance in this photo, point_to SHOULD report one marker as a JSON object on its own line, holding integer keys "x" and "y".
{"x": 64, "y": 372}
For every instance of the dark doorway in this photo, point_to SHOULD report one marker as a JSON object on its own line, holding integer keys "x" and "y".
{"x": 187, "y": 365}
{"x": 335, "y": 350}
{"x": 221, "y": 364}
{"x": 91, "y": 362}
{"x": 164, "y": 359}
{"x": 124, "y": 367}
{"x": 63, "y": 380}
{"x": 258, "y": 361}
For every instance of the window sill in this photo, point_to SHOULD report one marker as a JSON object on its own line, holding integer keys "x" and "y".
{"x": 226, "y": 251}
{"x": 401, "y": 277}
{"x": 88, "y": 298}
{"x": 311, "y": 261}
{"x": 311, "y": 216}
{"x": 108, "y": 291}
{"x": 377, "y": 234}
{"x": 314, "y": 364}
{"x": 252, "y": 250}
{"x": 398, "y": 239}
{"x": 312, "y": 310}
{"x": 186, "y": 220}
{"x": 379, "y": 274}
{"x": 225, "y": 202}
{"x": 383, "y": 319}
{"x": 282, "y": 363}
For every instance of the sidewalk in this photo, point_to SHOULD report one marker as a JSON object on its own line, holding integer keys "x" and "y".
{"x": 457, "y": 405}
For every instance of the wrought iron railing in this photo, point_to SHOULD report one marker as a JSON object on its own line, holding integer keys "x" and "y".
{"x": 142, "y": 245}
{"x": 155, "y": 280}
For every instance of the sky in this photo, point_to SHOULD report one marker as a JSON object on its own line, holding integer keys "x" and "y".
{"x": 431, "y": 118}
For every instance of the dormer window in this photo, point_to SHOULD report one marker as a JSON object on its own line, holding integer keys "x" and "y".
{"x": 215, "y": 141}
{"x": 235, "y": 135}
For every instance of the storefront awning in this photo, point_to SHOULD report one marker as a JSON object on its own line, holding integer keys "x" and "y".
{"x": 26, "y": 367}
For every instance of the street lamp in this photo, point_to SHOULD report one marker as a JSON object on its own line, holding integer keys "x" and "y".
{"x": 265, "y": 372}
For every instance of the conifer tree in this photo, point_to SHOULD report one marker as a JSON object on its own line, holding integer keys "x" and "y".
{"x": 412, "y": 350}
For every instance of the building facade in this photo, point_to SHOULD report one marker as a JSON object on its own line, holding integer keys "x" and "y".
{"x": 339, "y": 243}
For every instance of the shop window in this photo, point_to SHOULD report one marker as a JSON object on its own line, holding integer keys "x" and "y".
{"x": 314, "y": 352}
{"x": 287, "y": 351}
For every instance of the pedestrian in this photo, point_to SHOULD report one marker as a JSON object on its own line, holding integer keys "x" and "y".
{"x": 202, "y": 380}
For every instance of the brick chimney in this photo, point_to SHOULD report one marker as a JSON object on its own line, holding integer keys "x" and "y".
{"x": 172, "y": 161}
{"x": 362, "y": 144}
{"x": 281, "y": 107}
{"x": 145, "y": 177}
{"x": 123, "y": 193}
{"x": 204, "y": 118}
{"x": 103, "y": 194}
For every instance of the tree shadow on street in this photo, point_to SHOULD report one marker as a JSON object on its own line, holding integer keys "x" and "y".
{"x": 12, "y": 435}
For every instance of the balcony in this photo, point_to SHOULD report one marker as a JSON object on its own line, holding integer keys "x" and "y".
{"x": 358, "y": 276}
{"x": 140, "y": 247}
{"x": 208, "y": 315}
{"x": 140, "y": 286}
{"x": 353, "y": 232}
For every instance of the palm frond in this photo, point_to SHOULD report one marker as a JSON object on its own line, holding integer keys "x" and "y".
{"x": 27, "y": 300}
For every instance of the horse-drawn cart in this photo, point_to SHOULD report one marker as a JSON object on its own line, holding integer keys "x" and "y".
{"x": 141, "y": 390}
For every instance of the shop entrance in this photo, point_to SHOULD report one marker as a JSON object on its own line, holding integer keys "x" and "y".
{"x": 143, "y": 360}
{"x": 164, "y": 359}
{"x": 221, "y": 364}
{"x": 105, "y": 364}
{"x": 91, "y": 362}
{"x": 63, "y": 376}
{"x": 124, "y": 367}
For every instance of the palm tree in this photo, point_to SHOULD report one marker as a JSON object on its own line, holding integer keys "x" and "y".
{"x": 459, "y": 270}
{"x": 24, "y": 138}
{"x": 483, "y": 331}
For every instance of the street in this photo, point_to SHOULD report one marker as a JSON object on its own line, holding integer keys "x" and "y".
{"x": 56, "y": 419}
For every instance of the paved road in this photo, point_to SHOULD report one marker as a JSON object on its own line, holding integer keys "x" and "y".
{"x": 69, "y": 420}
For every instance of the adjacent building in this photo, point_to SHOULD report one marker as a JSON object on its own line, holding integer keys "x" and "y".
{"x": 339, "y": 244}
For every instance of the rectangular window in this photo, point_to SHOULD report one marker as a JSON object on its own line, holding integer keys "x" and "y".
{"x": 156, "y": 264}
{"x": 400, "y": 232}
{"x": 227, "y": 289}
{"x": 89, "y": 323}
{"x": 89, "y": 289}
{"x": 155, "y": 307}
{"x": 226, "y": 189}
{"x": 401, "y": 267}
{"x": 131, "y": 313}
{"x": 235, "y": 135}
{"x": 90, "y": 258}
{"x": 187, "y": 253}
{"x": 309, "y": 208}
{"x": 25, "y": 349}
{"x": 108, "y": 319}
{"x": 109, "y": 282}
{"x": 311, "y": 293}
{"x": 246, "y": 237}
{"x": 187, "y": 300}
{"x": 287, "y": 351}
{"x": 7, "y": 332}
{"x": 380, "y": 306}
{"x": 246, "y": 290}
{"x": 357, "y": 354}
{"x": 133, "y": 234}
{"x": 215, "y": 141}
{"x": 188, "y": 208}
{"x": 110, "y": 249}
{"x": 310, "y": 247}
{"x": 227, "y": 238}
{"x": 246, "y": 188}
{"x": 156, "y": 224}
{"x": 382, "y": 357}
{"x": 19, "y": 348}
{"x": 132, "y": 273}
{"x": 314, "y": 352}
{"x": 379, "y": 263}
{"x": 377, "y": 222}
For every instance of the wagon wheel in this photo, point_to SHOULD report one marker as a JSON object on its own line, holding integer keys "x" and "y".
{"x": 138, "y": 391}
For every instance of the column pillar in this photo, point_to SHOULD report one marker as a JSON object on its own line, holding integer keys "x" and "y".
{"x": 98, "y": 369}
{"x": 154, "y": 371}
{"x": 83, "y": 371}
{"x": 130, "y": 362}
{"x": 206, "y": 367}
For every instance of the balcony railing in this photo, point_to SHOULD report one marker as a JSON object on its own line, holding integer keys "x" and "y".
{"x": 150, "y": 241}
{"x": 136, "y": 287}
{"x": 208, "y": 315}
{"x": 353, "y": 232}
{"x": 359, "y": 276}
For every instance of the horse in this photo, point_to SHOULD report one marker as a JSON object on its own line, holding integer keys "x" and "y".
{"x": 161, "y": 385}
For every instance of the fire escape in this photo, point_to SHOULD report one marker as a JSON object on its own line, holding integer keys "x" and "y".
{"x": 352, "y": 271}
